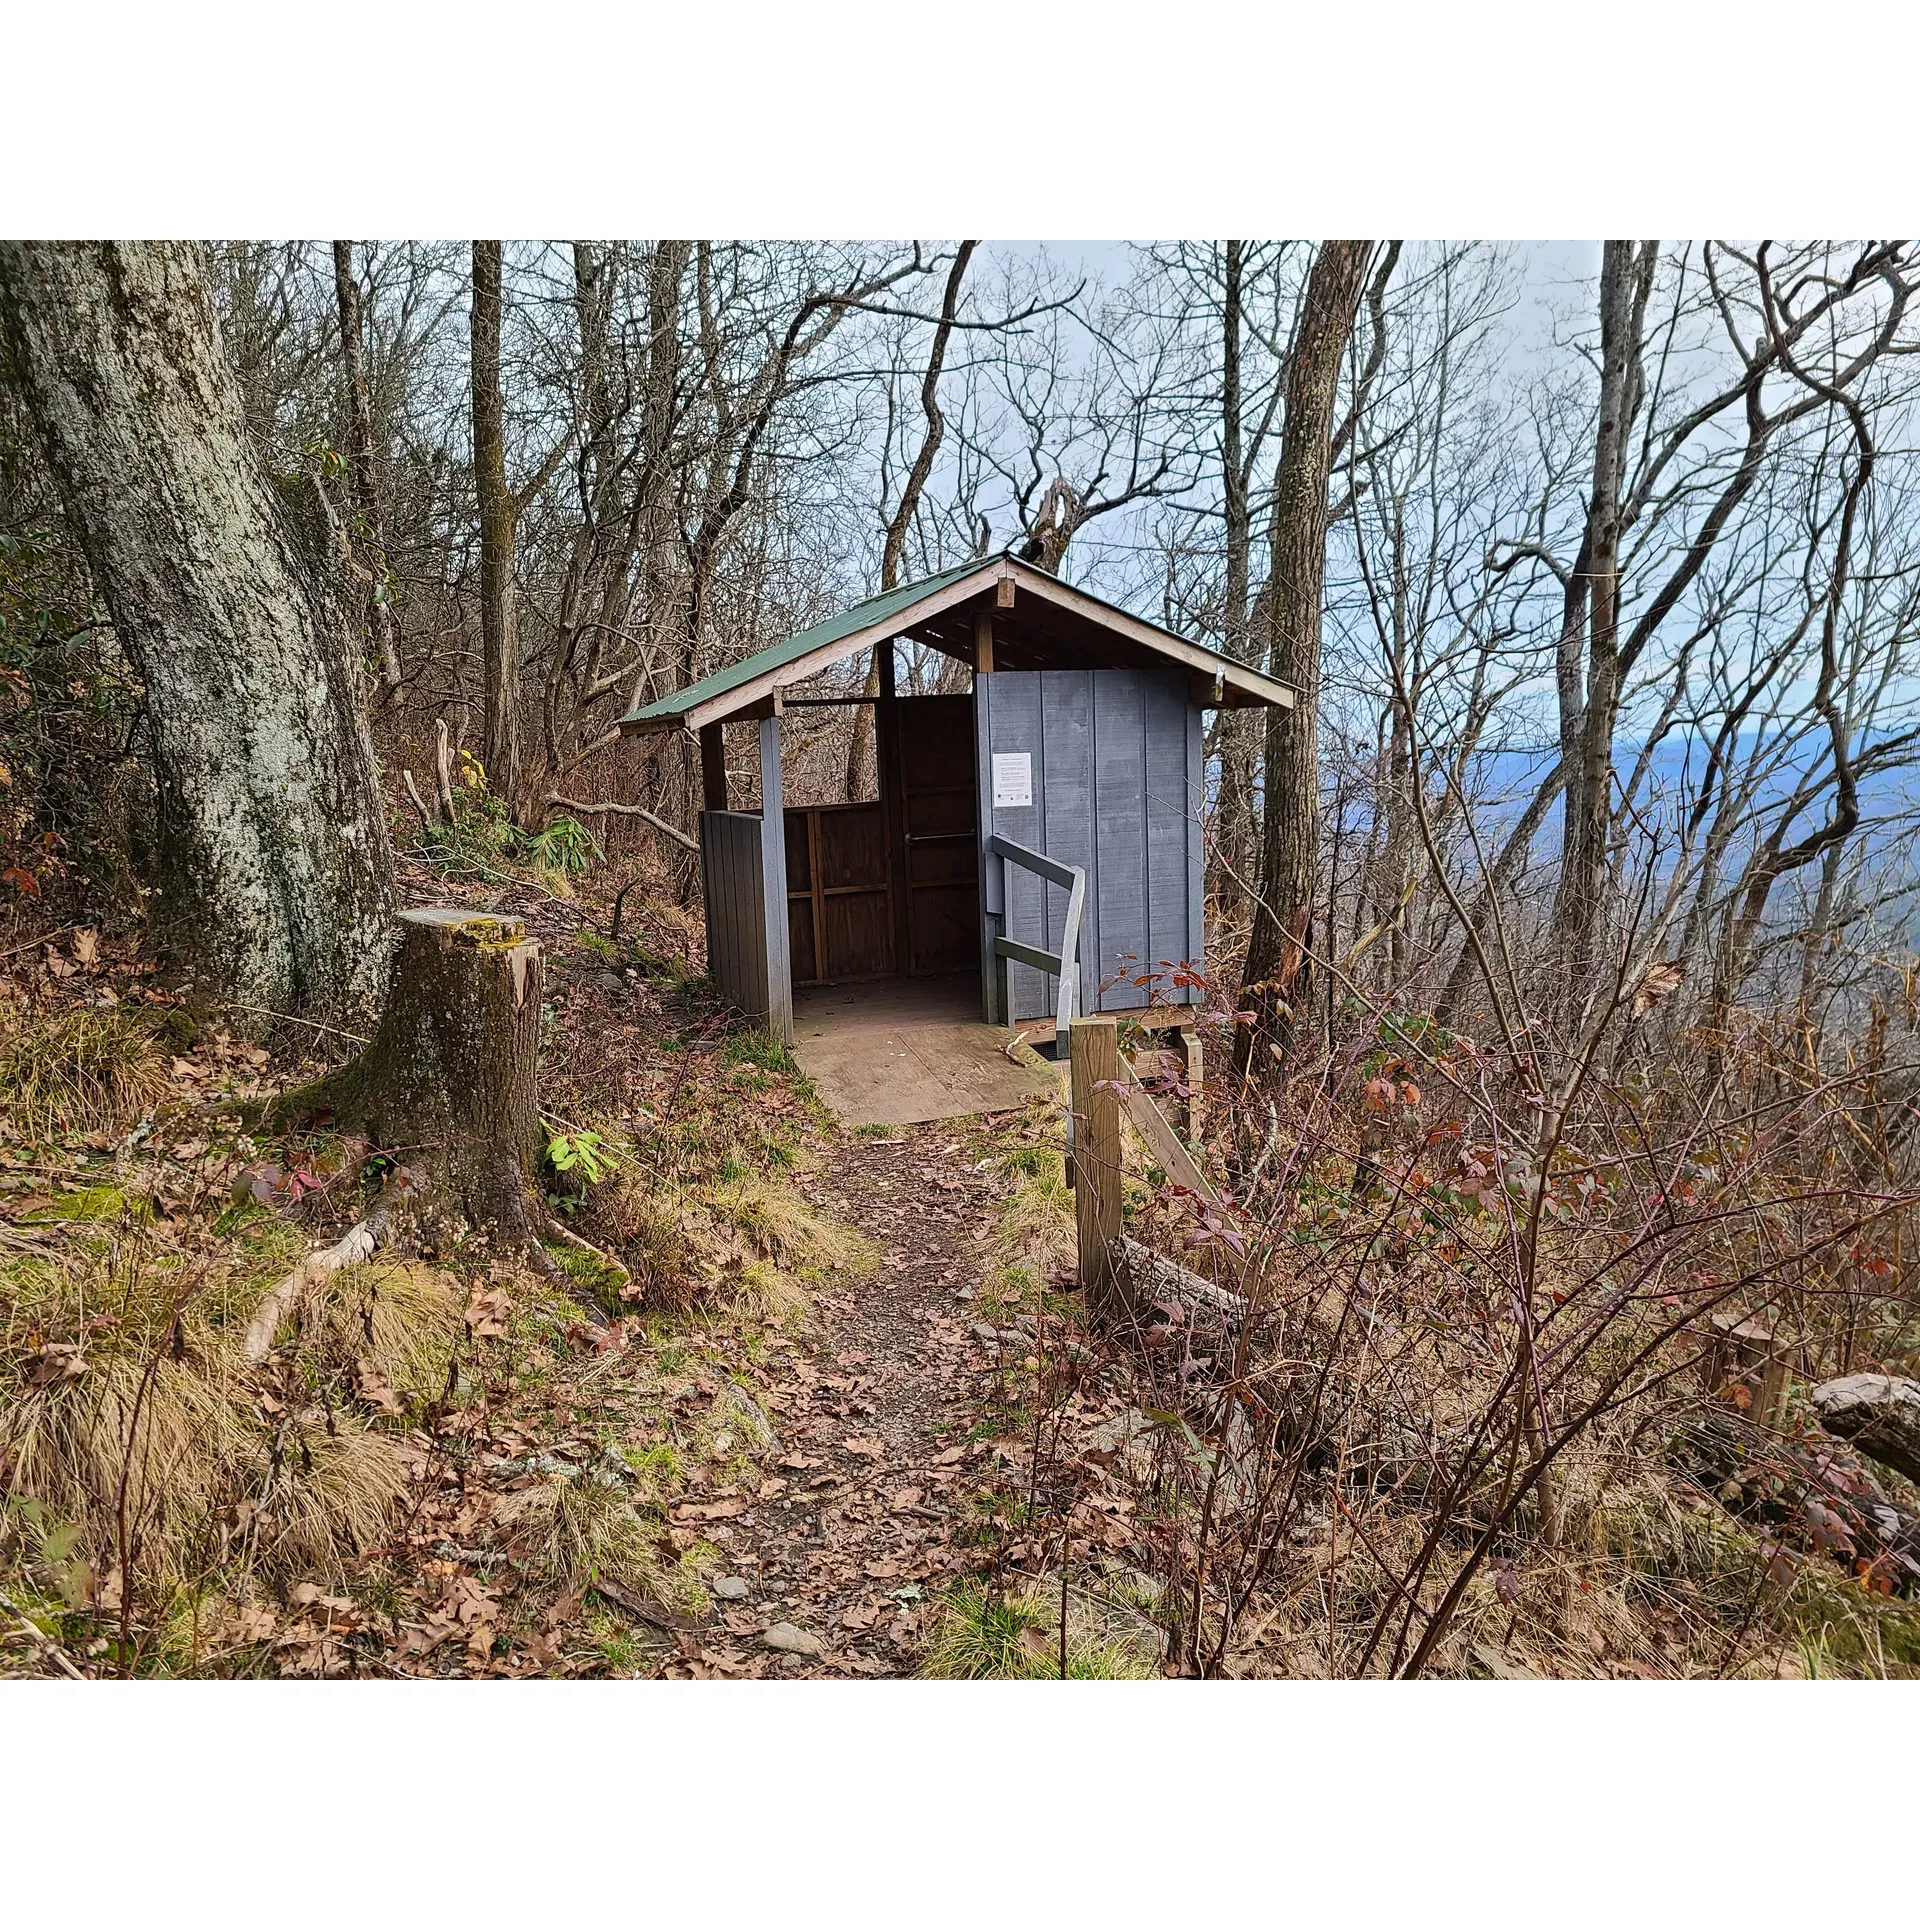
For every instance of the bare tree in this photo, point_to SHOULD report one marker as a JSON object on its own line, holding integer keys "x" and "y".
{"x": 893, "y": 547}
{"x": 1673, "y": 457}
{"x": 1278, "y": 978}
{"x": 499, "y": 624}
{"x": 372, "y": 539}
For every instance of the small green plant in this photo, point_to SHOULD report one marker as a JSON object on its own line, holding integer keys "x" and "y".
{"x": 756, "y": 1048}
{"x": 579, "y": 1154}
{"x": 563, "y": 844}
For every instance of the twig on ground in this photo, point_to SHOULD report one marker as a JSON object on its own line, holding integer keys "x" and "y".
{"x": 300, "y": 1020}
{"x": 39, "y": 940}
{"x": 52, "y": 1646}
{"x": 586, "y": 1246}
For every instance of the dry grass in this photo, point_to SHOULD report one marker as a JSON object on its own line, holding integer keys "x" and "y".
{"x": 404, "y": 1319}
{"x": 82, "y": 1072}
{"x": 778, "y": 1224}
{"x": 123, "y": 1394}
{"x": 576, "y": 1529}
{"x": 755, "y": 1234}
{"x": 658, "y": 1237}
{"x": 1034, "y": 1238}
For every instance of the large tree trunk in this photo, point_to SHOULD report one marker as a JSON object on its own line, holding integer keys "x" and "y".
{"x": 275, "y": 868}
{"x": 499, "y": 623}
{"x": 381, "y": 626}
{"x": 1233, "y": 733}
{"x": 1278, "y": 982}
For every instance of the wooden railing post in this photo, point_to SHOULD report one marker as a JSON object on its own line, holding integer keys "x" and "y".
{"x": 1743, "y": 1351}
{"x": 1195, "y": 1077}
{"x": 1094, "y": 1051}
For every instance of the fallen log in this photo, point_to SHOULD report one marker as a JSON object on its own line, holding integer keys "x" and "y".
{"x": 1812, "y": 1500}
{"x": 1147, "y": 1280}
{"x": 1877, "y": 1414}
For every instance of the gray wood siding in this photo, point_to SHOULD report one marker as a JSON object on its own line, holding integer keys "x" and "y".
{"x": 1117, "y": 791}
{"x": 731, "y": 875}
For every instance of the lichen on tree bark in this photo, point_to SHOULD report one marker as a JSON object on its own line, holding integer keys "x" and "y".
{"x": 275, "y": 868}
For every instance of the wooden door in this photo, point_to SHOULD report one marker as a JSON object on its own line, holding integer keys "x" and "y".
{"x": 940, "y": 820}
{"x": 839, "y": 909}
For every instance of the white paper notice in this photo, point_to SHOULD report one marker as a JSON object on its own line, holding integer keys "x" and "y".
{"x": 1013, "y": 779}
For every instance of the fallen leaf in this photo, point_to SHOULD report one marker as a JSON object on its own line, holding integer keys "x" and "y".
{"x": 1659, "y": 980}
{"x": 710, "y": 1510}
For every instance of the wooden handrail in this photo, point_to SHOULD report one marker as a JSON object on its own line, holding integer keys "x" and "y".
{"x": 1150, "y": 1123}
{"x": 1067, "y": 962}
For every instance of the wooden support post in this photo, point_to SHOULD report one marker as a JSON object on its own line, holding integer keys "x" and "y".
{"x": 1745, "y": 1352}
{"x": 1195, "y": 1077}
{"x": 996, "y": 1008}
{"x": 713, "y": 768}
{"x": 893, "y": 796}
{"x": 983, "y": 643}
{"x": 773, "y": 882}
{"x": 1094, "y": 1050}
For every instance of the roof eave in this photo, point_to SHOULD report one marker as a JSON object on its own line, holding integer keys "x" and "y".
{"x": 723, "y": 706}
{"x": 1255, "y": 687}
{"x": 1262, "y": 688}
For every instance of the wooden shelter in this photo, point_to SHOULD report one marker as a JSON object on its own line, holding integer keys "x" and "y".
{"x": 1036, "y": 841}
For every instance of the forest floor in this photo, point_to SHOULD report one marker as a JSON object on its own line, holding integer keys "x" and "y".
{"x": 839, "y": 1411}
{"x": 807, "y": 1422}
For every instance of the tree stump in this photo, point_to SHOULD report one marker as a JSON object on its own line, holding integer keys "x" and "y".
{"x": 447, "y": 1081}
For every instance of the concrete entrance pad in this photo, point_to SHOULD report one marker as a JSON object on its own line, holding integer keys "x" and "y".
{"x": 896, "y": 1052}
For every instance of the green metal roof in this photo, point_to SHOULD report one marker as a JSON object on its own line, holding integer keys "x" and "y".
{"x": 797, "y": 646}
{"x": 894, "y": 612}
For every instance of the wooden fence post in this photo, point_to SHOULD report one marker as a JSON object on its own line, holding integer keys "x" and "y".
{"x": 1744, "y": 1351}
{"x": 1195, "y": 1077}
{"x": 1094, "y": 1050}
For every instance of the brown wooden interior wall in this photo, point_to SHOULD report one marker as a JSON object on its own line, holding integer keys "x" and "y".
{"x": 839, "y": 892}
{"x": 891, "y": 886}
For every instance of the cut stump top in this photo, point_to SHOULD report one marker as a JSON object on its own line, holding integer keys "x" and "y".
{"x": 483, "y": 929}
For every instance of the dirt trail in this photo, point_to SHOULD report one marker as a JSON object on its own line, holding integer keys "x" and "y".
{"x": 878, "y": 1403}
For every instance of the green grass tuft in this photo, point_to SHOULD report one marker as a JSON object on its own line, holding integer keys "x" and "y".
{"x": 83, "y": 1072}
{"x": 979, "y": 1635}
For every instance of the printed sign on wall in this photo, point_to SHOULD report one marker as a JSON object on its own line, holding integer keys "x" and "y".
{"x": 1013, "y": 779}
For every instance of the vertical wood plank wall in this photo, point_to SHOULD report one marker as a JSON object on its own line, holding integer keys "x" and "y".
{"x": 731, "y": 878}
{"x": 743, "y": 874}
{"x": 1117, "y": 772}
